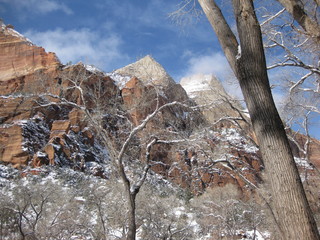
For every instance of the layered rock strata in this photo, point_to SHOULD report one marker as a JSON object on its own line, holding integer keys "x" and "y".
{"x": 20, "y": 60}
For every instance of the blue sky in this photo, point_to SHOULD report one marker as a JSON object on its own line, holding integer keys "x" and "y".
{"x": 112, "y": 33}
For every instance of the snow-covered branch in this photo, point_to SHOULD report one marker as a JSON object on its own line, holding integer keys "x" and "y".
{"x": 136, "y": 186}
{"x": 301, "y": 81}
{"x": 272, "y": 17}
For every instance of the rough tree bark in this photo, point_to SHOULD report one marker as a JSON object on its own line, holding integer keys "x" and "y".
{"x": 290, "y": 204}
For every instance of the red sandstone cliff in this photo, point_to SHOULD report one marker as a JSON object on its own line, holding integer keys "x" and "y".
{"x": 20, "y": 60}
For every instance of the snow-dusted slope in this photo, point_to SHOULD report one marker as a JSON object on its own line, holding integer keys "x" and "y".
{"x": 207, "y": 91}
{"x": 8, "y": 30}
{"x": 147, "y": 70}
{"x": 120, "y": 80}
{"x": 195, "y": 85}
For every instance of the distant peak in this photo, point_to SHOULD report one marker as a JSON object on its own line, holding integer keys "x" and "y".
{"x": 201, "y": 82}
{"x": 148, "y": 70}
{"x": 148, "y": 58}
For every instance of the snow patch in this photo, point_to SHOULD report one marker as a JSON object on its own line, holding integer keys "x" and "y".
{"x": 92, "y": 68}
{"x": 80, "y": 199}
{"x": 250, "y": 235}
{"x": 196, "y": 83}
{"x": 302, "y": 162}
{"x": 239, "y": 52}
{"x": 41, "y": 154}
{"x": 8, "y": 30}
{"x": 119, "y": 79}
{"x": 7, "y": 173}
{"x": 179, "y": 211}
{"x": 235, "y": 138}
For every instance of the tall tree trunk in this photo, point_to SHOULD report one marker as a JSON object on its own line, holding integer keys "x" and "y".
{"x": 289, "y": 200}
{"x": 131, "y": 202}
{"x": 132, "y": 228}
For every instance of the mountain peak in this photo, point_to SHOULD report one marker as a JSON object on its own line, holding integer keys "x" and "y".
{"x": 8, "y": 31}
{"x": 208, "y": 90}
{"x": 148, "y": 70}
{"x": 19, "y": 57}
{"x": 198, "y": 83}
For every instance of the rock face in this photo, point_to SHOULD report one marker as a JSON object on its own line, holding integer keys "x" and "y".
{"x": 211, "y": 162}
{"x": 315, "y": 153}
{"x": 314, "y": 150}
{"x": 19, "y": 58}
{"x": 186, "y": 164}
{"x": 34, "y": 135}
{"x": 13, "y": 151}
{"x": 199, "y": 83}
{"x": 208, "y": 92}
{"x": 152, "y": 74}
{"x": 148, "y": 71}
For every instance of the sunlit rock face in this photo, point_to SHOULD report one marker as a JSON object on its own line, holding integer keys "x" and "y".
{"x": 207, "y": 91}
{"x": 19, "y": 58}
{"x": 29, "y": 133}
{"x": 147, "y": 70}
{"x": 151, "y": 73}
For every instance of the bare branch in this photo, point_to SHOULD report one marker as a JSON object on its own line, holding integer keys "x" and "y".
{"x": 272, "y": 17}
{"x": 301, "y": 81}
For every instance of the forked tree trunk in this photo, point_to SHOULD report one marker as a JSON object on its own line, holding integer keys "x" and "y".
{"x": 131, "y": 203}
{"x": 289, "y": 200}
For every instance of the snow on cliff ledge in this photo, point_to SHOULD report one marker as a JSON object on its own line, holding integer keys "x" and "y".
{"x": 9, "y": 30}
{"x": 201, "y": 82}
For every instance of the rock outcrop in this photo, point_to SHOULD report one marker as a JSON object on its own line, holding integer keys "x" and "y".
{"x": 20, "y": 60}
{"x": 12, "y": 150}
{"x": 148, "y": 71}
{"x": 208, "y": 92}
{"x": 31, "y": 132}
{"x": 151, "y": 73}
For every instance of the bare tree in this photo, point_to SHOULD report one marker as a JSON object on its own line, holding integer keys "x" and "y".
{"x": 247, "y": 61}
{"x": 297, "y": 69}
{"x": 298, "y": 59}
{"x": 79, "y": 92}
{"x": 298, "y": 12}
{"x": 223, "y": 215}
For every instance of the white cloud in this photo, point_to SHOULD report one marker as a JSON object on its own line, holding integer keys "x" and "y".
{"x": 83, "y": 45}
{"x": 38, "y": 6}
{"x": 214, "y": 63}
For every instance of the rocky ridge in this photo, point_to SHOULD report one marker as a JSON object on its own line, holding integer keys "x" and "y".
{"x": 36, "y": 132}
{"x": 207, "y": 91}
{"x": 19, "y": 58}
